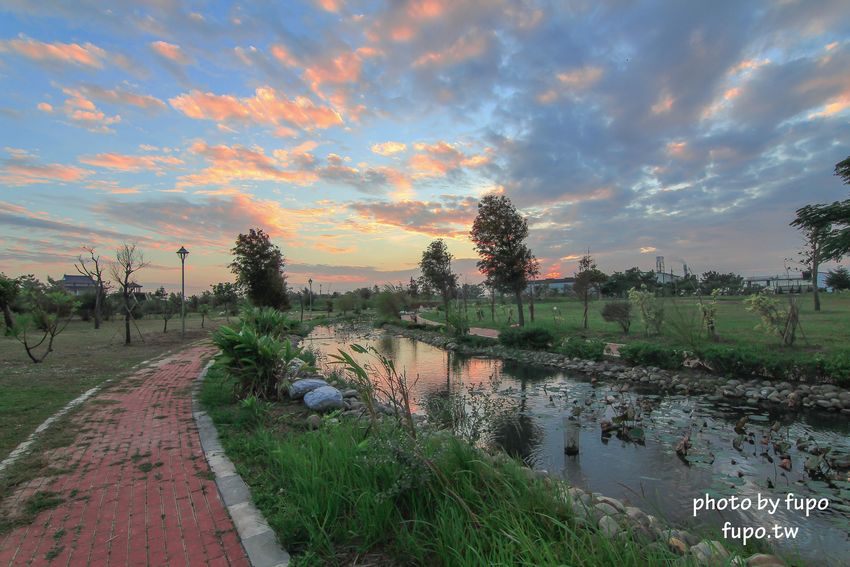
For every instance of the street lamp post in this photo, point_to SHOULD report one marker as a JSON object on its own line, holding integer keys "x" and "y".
{"x": 183, "y": 253}
{"x": 310, "y": 281}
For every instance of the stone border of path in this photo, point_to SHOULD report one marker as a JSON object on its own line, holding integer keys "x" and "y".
{"x": 258, "y": 539}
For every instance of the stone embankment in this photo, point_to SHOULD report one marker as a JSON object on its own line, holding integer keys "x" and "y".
{"x": 754, "y": 392}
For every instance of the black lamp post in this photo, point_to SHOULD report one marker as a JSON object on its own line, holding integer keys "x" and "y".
{"x": 310, "y": 281}
{"x": 183, "y": 253}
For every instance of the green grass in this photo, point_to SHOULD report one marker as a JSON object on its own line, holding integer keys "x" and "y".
{"x": 345, "y": 492}
{"x": 826, "y": 330}
{"x": 82, "y": 358}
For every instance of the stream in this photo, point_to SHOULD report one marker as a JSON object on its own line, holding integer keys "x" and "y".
{"x": 523, "y": 409}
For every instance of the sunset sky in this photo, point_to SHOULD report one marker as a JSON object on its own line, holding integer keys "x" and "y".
{"x": 356, "y": 132}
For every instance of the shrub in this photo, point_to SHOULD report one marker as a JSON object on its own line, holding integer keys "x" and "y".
{"x": 576, "y": 347}
{"x": 740, "y": 361}
{"x": 536, "y": 338}
{"x": 266, "y": 321}
{"x": 837, "y": 367}
{"x": 651, "y": 310}
{"x": 775, "y": 320}
{"x": 619, "y": 312}
{"x": 389, "y": 304}
{"x": 649, "y": 354}
{"x": 254, "y": 360}
{"x": 458, "y": 324}
{"x": 476, "y": 341}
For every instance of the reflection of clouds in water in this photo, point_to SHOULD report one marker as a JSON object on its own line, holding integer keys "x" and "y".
{"x": 649, "y": 476}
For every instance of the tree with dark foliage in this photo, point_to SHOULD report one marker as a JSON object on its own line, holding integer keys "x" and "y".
{"x": 258, "y": 265}
{"x": 436, "y": 267}
{"x": 499, "y": 234}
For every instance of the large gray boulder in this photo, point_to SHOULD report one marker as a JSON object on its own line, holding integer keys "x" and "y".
{"x": 299, "y": 388}
{"x": 325, "y": 398}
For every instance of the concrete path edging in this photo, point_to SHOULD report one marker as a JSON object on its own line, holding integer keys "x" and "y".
{"x": 258, "y": 539}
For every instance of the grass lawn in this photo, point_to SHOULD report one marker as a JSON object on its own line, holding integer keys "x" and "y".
{"x": 827, "y": 330}
{"x": 81, "y": 358}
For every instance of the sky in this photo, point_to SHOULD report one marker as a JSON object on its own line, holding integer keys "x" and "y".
{"x": 354, "y": 133}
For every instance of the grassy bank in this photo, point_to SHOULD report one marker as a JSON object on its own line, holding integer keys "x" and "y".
{"x": 826, "y": 330}
{"x": 345, "y": 494}
{"x": 82, "y": 358}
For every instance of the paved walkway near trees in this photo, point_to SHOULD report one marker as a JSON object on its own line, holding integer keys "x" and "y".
{"x": 133, "y": 488}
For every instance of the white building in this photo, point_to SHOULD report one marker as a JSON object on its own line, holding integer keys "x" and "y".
{"x": 788, "y": 283}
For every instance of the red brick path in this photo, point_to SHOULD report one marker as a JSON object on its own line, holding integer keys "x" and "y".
{"x": 136, "y": 486}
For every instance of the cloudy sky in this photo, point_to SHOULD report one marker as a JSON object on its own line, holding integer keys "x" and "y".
{"x": 356, "y": 132}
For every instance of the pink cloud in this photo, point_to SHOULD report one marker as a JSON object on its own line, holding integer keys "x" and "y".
{"x": 45, "y": 107}
{"x": 451, "y": 218}
{"x": 467, "y": 47}
{"x": 171, "y": 52}
{"x": 86, "y": 55}
{"x": 283, "y": 55}
{"x": 123, "y": 162}
{"x": 389, "y": 148}
{"x": 22, "y": 168}
{"x": 230, "y": 163}
{"x": 266, "y": 107}
{"x": 330, "y": 5}
{"x": 442, "y": 157}
{"x": 117, "y": 96}
{"x": 83, "y": 112}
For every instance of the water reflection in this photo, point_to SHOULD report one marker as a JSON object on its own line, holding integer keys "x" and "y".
{"x": 521, "y": 408}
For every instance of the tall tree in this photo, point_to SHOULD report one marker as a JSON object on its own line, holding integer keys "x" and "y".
{"x": 588, "y": 279}
{"x": 226, "y": 294}
{"x": 128, "y": 261}
{"x": 436, "y": 267}
{"x": 258, "y": 265}
{"x": 9, "y": 289}
{"x": 826, "y": 228}
{"x": 499, "y": 234}
{"x": 95, "y": 270}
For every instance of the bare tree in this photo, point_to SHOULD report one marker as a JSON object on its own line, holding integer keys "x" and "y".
{"x": 95, "y": 271}
{"x": 128, "y": 261}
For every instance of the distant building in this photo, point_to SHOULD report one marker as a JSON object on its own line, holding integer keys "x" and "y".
{"x": 561, "y": 285}
{"x": 78, "y": 285}
{"x": 662, "y": 278}
{"x": 789, "y": 283}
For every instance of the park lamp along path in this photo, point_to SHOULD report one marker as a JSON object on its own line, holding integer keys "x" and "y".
{"x": 183, "y": 253}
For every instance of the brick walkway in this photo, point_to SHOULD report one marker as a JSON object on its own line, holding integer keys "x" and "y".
{"x": 136, "y": 488}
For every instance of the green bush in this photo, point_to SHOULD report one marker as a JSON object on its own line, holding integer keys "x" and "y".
{"x": 254, "y": 360}
{"x": 267, "y": 321}
{"x": 739, "y": 361}
{"x": 536, "y": 338}
{"x": 619, "y": 312}
{"x": 837, "y": 367}
{"x": 458, "y": 324}
{"x": 476, "y": 341}
{"x": 648, "y": 354}
{"x": 577, "y": 347}
{"x": 389, "y": 304}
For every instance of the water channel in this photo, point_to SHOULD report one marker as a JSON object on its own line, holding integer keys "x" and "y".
{"x": 636, "y": 460}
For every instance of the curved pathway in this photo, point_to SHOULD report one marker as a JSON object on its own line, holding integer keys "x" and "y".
{"x": 134, "y": 486}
